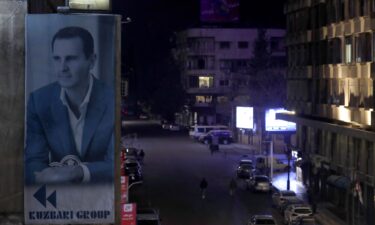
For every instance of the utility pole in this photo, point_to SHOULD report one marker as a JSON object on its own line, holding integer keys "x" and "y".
{"x": 289, "y": 156}
{"x": 288, "y": 180}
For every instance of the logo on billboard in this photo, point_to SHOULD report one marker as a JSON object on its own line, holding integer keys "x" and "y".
{"x": 41, "y": 196}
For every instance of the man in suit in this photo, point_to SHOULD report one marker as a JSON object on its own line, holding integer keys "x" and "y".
{"x": 70, "y": 123}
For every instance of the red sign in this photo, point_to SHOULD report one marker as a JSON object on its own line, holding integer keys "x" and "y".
{"x": 129, "y": 214}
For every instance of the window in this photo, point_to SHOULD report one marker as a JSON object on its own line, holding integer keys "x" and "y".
{"x": 224, "y": 44}
{"x": 351, "y": 8}
{"x": 277, "y": 44}
{"x": 348, "y": 50}
{"x": 363, "y": 47}
{"x": 322, "y": 52}
{"x": 201, "y": 44}
{"x": 203, "y": 99}
{"x": 234, "y": 65}
{"x": 334, "y": 51}
{"x": 224, "y": 82}
{"x": 340, "y": 10}
{"x": 243, "y": 44}
{"x": 364, "y": 7}
{"x": 193, "y": 81}
{"x": 201, "y": 64}
{"x": 205, "y": 82}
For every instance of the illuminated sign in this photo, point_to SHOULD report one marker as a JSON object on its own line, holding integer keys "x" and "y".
{"x": 90, "y": 4}
{"x": 244, "y": 117}
{"x": 275, "y": 125}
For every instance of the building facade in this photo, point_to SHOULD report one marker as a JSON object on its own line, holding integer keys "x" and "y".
{"x": 330, "y": 79}
{"x": 216, "y": 69}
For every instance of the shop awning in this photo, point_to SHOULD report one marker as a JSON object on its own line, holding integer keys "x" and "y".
{"x": 341, "y": 182}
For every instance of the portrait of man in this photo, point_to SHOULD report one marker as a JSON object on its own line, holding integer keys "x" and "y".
{"x": 70, "y": 122}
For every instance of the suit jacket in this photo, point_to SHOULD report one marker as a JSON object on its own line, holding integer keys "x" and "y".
{"x": 49, "y": 137}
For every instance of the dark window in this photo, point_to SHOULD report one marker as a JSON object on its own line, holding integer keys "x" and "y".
{"x": 351, "y": 8}
{"x": 224, "y": 82}
{"x": 193, "y": 82}
{"x": 340, "y": 10}
{"x": 243, "y": 44}
{"x": 334, "y": 51}
{"x": 364, "y": 7}
{"x": 201, "y": 64}
{"x": 224, "y": 44}
{"x": 363, "y": 47}
{"x": 322, "y": 52}
{"x": 322, "y": 14}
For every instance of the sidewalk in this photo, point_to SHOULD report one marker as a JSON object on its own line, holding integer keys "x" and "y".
{"x": 279, "y": 182}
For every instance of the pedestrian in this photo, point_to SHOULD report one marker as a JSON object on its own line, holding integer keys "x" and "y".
{"x": 232, "y": 187}
{"x": 311, "y": 199}
{"x": 203, "y": 186}
{"x": 141, "y": 155}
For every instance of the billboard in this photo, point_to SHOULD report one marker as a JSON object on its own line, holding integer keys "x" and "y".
{"x": 244, "y": 117}
{"x": 219, "y": 11}
{"x": 70, "y": 113}
{"x": 275, "y": 125}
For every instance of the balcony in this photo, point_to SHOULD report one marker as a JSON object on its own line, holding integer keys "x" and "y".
{"x": 208, "y": 90}
{"x": 203, "y": 104}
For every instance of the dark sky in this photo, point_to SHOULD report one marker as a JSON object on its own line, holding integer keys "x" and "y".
{"x": 145, "y": 41}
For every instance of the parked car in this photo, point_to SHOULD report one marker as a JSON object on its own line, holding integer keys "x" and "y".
{"x": 133, "y": 169}
{"x": 279, "y": 197}
{"x": 245, "y": 171}
{"x": 174, "y": 127}
{"x": 246, "y": 161}
{"x": 295, "y": 212}
{"x": 288, "y": 202}
{"x": 148, "y": 216}
{"x": 224, "y": 136}
{"x": 260, "y": 183}
{"x": 306, "y": 221}
{"x": 143, "y": 116}
{"x": 261, "y": 220}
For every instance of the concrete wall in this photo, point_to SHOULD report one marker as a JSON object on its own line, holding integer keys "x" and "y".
{"x": 12, "y": 63}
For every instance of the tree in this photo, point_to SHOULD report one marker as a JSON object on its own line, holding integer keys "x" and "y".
{"x": 267, "y": 82}
{"x": 169, "y": 96}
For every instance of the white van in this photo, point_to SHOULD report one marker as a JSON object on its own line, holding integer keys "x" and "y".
{"x": 197, "y": 130}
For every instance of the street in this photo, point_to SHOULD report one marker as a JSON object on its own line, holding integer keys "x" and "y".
{"x": 173, "y": 167}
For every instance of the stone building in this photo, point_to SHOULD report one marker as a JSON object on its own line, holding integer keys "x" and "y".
{"x": 330, "y": 86}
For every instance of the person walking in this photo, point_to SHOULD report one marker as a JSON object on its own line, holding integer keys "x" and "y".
{"x": 203, "y": 186}
{"x": 311, "y": 199}
{"x": 141, "y": 155}
{"x": 232, "y": 187}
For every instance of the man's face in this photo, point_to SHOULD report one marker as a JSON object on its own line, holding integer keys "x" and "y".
{"x": 71, "y": 65}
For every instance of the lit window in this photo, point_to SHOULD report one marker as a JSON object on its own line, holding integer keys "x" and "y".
{"x": 205, "y": 82}
{"x": 348, "y": 50}
{"x": 203, "y": 99}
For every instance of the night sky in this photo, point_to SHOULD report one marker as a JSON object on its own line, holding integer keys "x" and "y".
{"x": 146, "y": 40}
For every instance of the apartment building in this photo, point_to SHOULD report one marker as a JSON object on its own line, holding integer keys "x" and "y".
{"x": 217, "y": 68}
{"x": 330, "y": 87}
